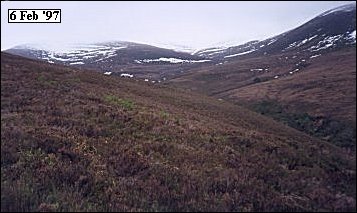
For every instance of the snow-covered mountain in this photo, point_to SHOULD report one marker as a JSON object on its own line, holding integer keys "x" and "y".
{"x": 106, "y": 54}
{"x": 329, "y": 31}
{"x": 125, "y": 59}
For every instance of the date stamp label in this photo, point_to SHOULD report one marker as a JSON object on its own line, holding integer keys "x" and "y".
{"x": 34, "y": 15}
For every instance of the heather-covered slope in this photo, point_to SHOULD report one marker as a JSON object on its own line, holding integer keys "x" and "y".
{"x": 315, "y": 94}
{"x": 75, "y": 140}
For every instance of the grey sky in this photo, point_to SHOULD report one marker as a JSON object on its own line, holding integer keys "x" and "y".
{"x": 194, "y": 24}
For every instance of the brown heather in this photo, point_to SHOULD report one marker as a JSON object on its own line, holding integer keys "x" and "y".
{"x": 74, "y": 140}
{"x": 319, "y": 99}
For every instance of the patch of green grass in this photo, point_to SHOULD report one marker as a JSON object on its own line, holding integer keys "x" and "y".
{"x": 334, "y": 131}
{"x": 164, "y": 114}
{"x": 74, "y": 80}
{"x": 125, "y": 103}
{"x": 45, "y": 81}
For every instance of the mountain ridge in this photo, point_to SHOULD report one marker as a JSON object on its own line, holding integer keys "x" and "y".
{"x": 329, "y": 31}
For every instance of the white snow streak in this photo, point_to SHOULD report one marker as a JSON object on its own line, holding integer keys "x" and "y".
{"x": 243, "y": 53}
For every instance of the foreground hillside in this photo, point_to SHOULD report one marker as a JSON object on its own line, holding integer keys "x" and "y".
{"x": 82, "y": 141}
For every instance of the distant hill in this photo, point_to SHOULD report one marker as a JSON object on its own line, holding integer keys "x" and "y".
{"x": 331, "y": 30}
{"x": 141, "y": 60}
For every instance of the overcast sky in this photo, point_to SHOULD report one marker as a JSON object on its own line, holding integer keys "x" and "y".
{"x": 194, "y": 24}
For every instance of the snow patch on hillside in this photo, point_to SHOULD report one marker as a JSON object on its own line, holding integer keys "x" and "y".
{"x": 271, "y": 41}
{"x": 74, "y": 54}
{"x": 314, "y": 56}
{"x": 126, "y": 75}
{"x": 352, "y": 36}
{"x": 238, "y": 54}
{"x": 73, "y": 63}
{"x": 326, "y": 43}
{"x": 170, "y": 60}
{"x": 211, "y": 51}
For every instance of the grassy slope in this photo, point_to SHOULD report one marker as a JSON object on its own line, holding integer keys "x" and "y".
{"x": 323, "y": 85}
{"x": 81, "y": 141}
{"x": 324, "y": 88}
